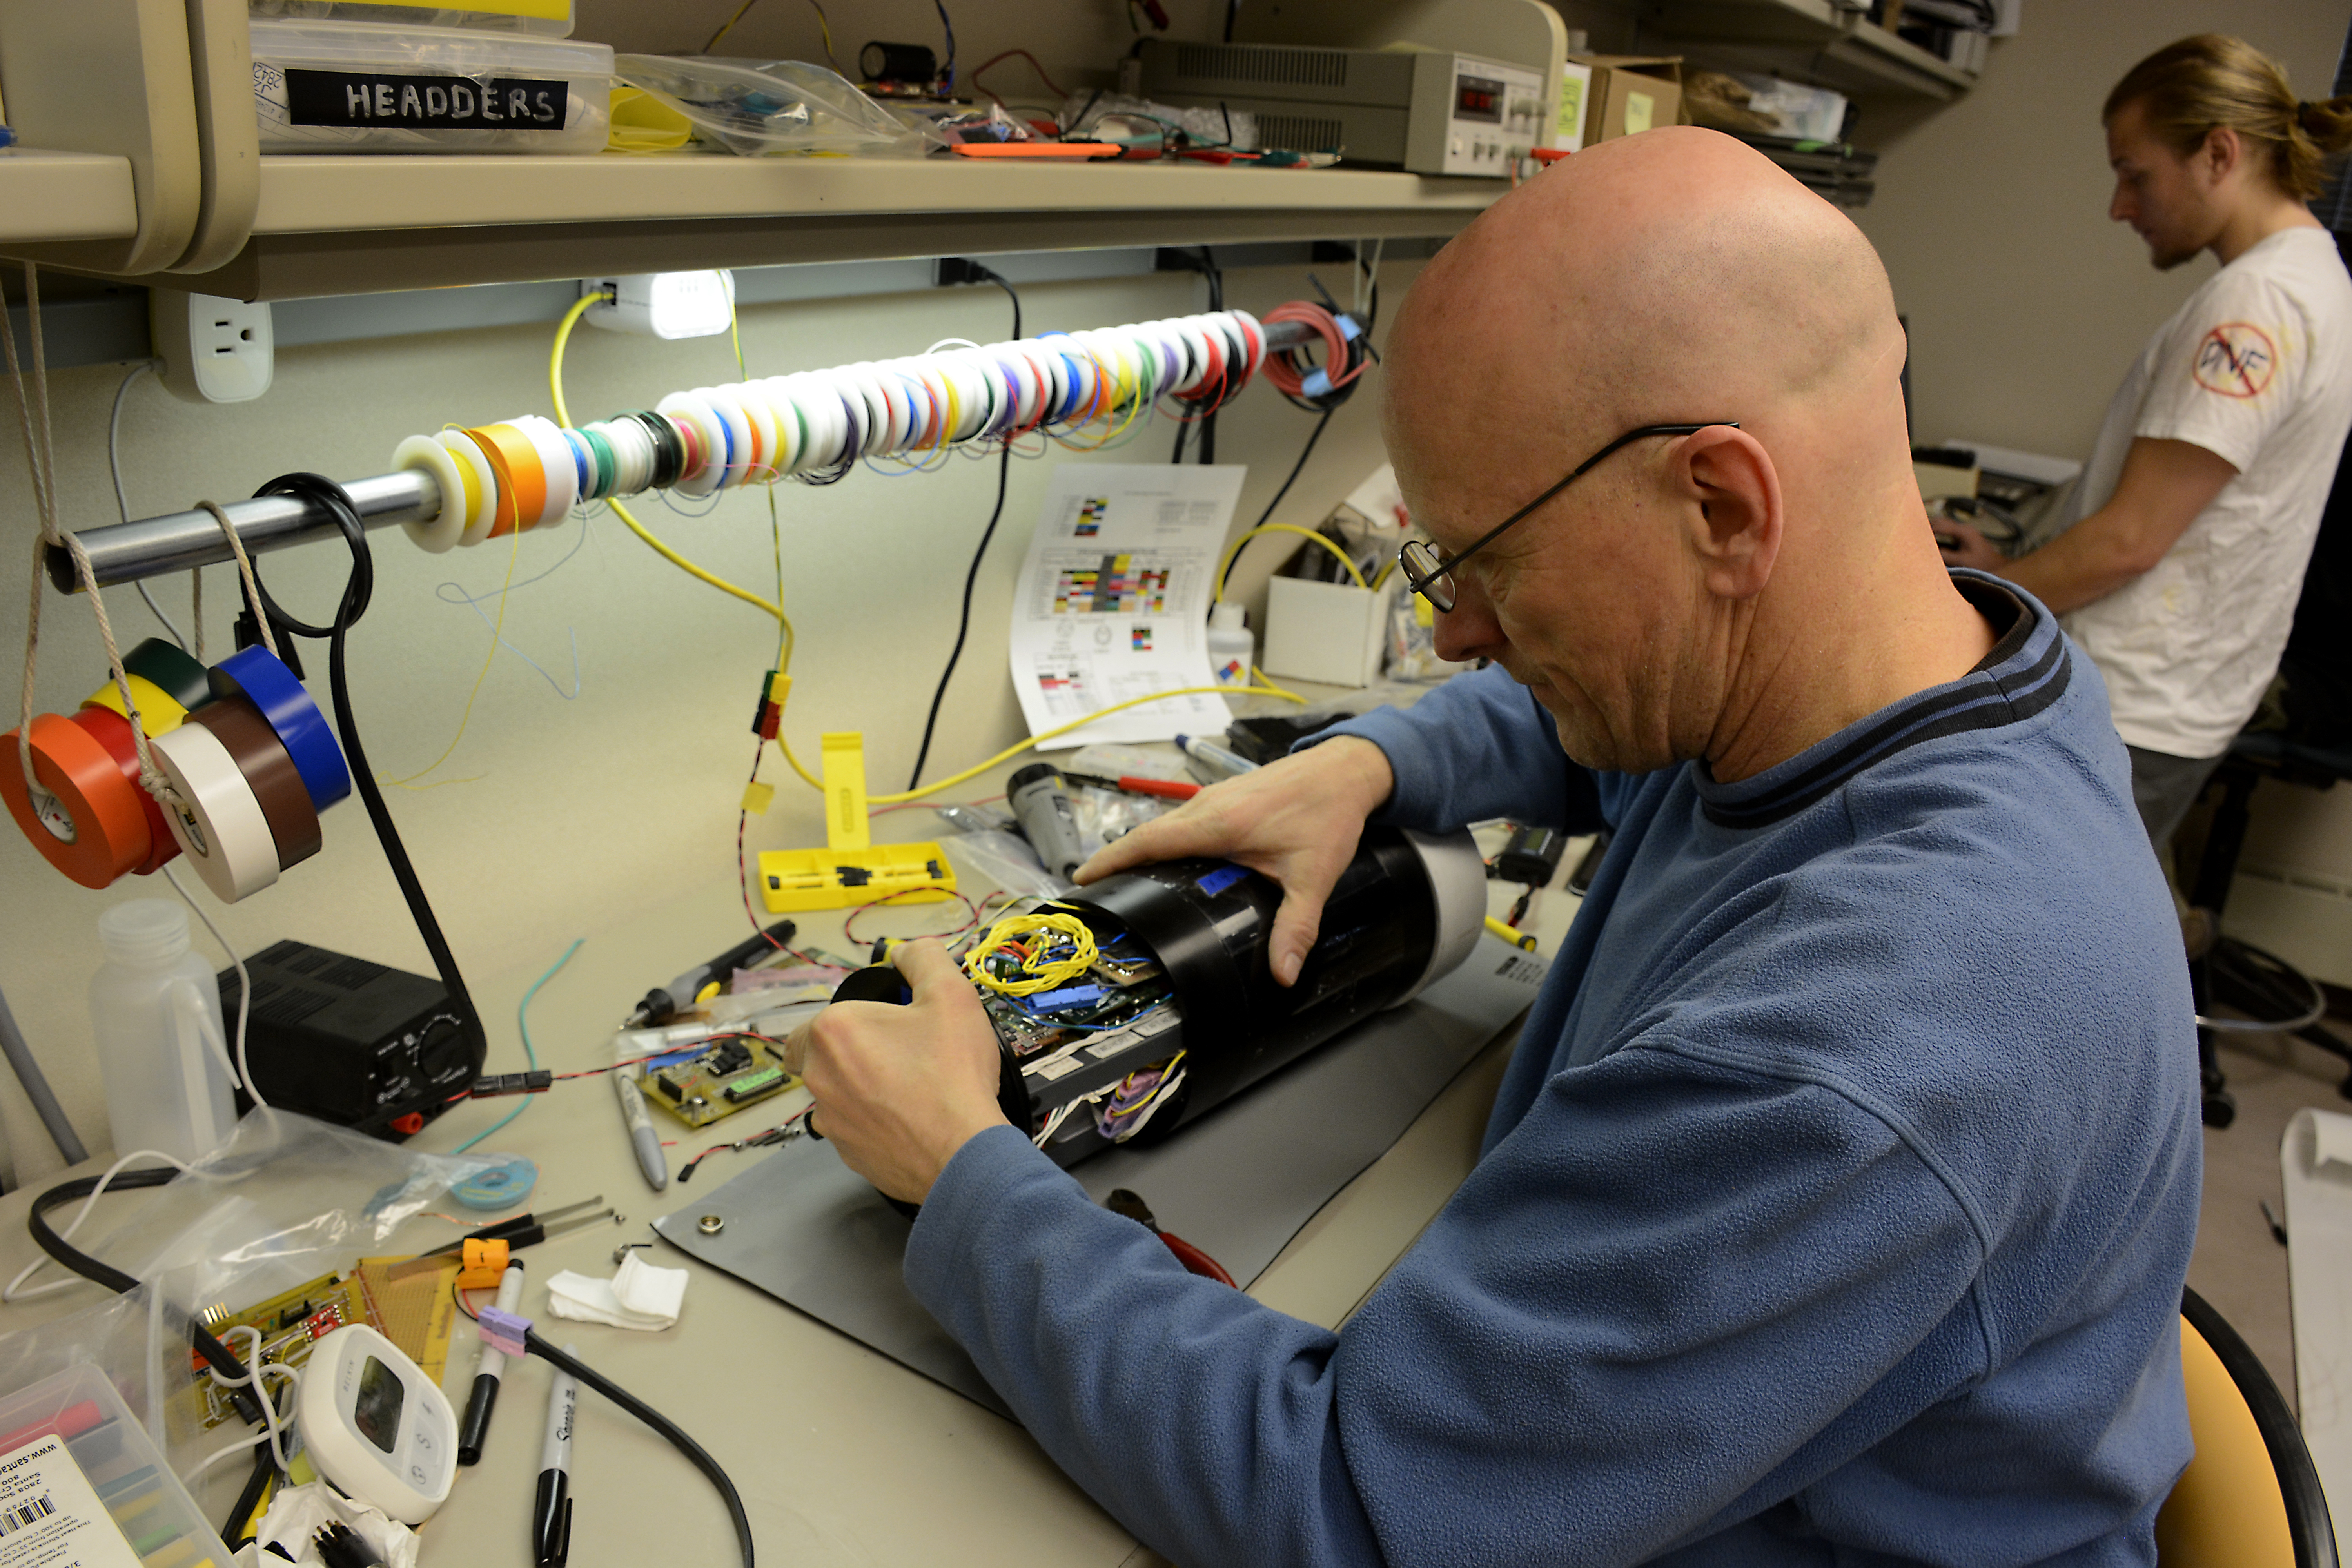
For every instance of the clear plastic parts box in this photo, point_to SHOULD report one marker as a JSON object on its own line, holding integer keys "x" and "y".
{"x": 552, "y": 17}
{"x": 81, "y": 1482}
{"x": 362, "y": 87}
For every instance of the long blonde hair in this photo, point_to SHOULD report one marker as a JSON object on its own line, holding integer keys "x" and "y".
{"x": 2190, "y": 89}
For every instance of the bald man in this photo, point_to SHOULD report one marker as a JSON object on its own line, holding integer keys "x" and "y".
{"x": 1791, "y": 1240}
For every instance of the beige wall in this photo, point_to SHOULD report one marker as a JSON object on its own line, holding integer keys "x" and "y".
{"x": 2026, "y": 302}
{"x": 556, "y": 810}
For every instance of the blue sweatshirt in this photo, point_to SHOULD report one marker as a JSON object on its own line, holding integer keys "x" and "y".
{"x": 1835, "y": 1206}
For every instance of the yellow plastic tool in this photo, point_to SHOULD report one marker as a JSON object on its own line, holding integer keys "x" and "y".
{"x": 851, "y": 868}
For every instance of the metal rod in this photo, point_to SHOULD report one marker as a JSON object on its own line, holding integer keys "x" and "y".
{"x": 127, "y": 552}
{"x": 37, "y": 1087}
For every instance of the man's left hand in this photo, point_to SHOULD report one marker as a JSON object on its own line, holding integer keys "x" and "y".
{"x": 1969, "y": 547}
{"x": 899, "y": 1090}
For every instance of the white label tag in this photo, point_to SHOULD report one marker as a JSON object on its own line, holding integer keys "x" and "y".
{"x": 50, "y": 1516}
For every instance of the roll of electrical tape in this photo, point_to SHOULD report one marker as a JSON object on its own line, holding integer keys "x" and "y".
{"x": 86, "y": 820}
{"x": 256, "y": 674}
{"x": 446, "y": 526}
{"x": 277, "y": 782}
{"x": 168, "y": 666}
{"x": 113, "y": 732}
{"x": 218, "y": 823}
{"x": 159, "y": 712}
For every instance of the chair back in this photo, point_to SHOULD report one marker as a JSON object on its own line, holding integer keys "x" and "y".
{"x": 2251, "y": 1497}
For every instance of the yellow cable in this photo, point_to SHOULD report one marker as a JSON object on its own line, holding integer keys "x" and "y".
{"x": 1013, "y": 751}
{"x": 563, "y": 418}
{"x": 1036, "y": 973}
{"x": 1268, "y": 682}
{"x": 1226, "y": 565}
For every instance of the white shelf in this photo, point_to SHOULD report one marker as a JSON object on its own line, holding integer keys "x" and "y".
{"x": 65, "y": 197}
{"x": 346, "y": 223}
{"x": 1813, "y": 40}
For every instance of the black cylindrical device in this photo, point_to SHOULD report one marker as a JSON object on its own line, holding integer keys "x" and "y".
{"x": 879, "y": 62}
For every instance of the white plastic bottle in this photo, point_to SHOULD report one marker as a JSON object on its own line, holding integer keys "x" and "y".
{"x": 155, "y": 1010}
{"x": 1231, "y": 649}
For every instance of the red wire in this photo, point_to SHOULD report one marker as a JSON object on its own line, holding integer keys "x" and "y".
{"x": 975, "y": 77}
{"x": 1286, "y": 371}
{"x": 848, "y": 935}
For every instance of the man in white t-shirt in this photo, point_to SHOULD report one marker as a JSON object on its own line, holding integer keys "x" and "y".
{"x": 2197, "y": 511}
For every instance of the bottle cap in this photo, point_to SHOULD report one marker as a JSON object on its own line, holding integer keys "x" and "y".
{"x": 1227, "y": 616}
{"x": 145, "y": 933}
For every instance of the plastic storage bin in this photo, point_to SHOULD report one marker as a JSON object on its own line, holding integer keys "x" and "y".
{"x": 364, "y": 87}
{"x": 552, "y": 17}
{"x": 77, "y": 1473}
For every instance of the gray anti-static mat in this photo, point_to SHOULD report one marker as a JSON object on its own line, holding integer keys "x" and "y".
{"x": 1238, "y": 1183}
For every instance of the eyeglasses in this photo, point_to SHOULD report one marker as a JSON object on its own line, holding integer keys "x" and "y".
{"x": 1433, "y": 579}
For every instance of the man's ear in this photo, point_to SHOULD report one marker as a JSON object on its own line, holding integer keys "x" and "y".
{"x": 2221, "y": 153}
{"x": 1734, "y": 530}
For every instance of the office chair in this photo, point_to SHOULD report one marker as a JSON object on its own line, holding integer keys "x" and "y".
{"x": 2251, "y": 1497}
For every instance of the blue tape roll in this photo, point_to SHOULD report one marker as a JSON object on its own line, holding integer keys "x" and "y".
{"x": 500, "y": 1187}
{"x": 256, "y": 674}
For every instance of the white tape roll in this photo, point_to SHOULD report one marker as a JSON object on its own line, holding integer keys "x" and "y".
{"x": 220, "y": 825}
{"x": 443, "y": 530}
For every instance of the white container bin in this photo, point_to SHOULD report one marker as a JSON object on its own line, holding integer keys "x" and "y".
{"x": 363, "y": 86}
{"x": 81, "y": 1482}
{"x": 1330, "y": 632}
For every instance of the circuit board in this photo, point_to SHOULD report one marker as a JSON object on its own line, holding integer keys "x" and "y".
{"x": 289, "y": 1323}
{"x": 719, "y": 1082}
{"x": 416, "y": 1314}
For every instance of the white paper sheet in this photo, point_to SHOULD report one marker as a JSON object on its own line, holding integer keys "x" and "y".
{"x": 1113, "y": 602}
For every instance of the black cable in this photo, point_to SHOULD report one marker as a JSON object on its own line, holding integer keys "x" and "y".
{"x": 1304, "y": 453}
{"x": 669, "y": 1430}
{"x": 359, "y": 588}
{"x": 265, "y": 1470}
{"x": 964, "y": 616}
{"x": 972, "y": 575}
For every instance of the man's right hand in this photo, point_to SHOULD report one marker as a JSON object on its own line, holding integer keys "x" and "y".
{"x": 1297, "y": 820}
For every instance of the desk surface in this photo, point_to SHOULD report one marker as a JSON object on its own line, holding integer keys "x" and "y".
{"x": 842, "y": 1456}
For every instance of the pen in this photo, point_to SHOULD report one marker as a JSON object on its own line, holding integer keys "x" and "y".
{"x": 551, "y": 1513}
{"x": 668, "y": 1001}
{"x": 1210, "y": 761}
{"x": 487, "y": 1372}
{"x": 650, "y": 1158}
{"x": 1166, "y": 789}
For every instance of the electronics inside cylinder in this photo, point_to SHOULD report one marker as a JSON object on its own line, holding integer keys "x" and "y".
{"x": 1176, "y": 1009}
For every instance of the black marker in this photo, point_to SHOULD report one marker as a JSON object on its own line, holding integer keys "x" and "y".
{"x": 486, "y": 1375}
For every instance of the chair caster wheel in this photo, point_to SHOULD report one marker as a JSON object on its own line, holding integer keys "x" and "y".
{"x": 2221, "y": 1108}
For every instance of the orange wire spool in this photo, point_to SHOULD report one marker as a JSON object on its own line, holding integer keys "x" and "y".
{"x": 523, "y": 484}
{"x": 90, "y": 824}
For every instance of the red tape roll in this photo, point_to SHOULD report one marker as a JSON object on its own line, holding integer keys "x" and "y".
{"x": 113, "y": 732}
{"x": 90, "y": 826}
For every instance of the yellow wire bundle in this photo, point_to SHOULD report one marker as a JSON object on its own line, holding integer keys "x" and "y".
{"x": 1038, "y": 972}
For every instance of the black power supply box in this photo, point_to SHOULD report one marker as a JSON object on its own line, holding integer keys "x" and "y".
{"x": 340, "y": 1037}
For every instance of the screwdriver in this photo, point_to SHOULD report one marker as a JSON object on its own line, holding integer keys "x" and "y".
{"x": 666, "y": 1002}
{"x": 528, "y": 1230}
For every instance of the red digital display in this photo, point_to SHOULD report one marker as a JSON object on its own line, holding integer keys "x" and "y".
{"x": 1478, "y": 98}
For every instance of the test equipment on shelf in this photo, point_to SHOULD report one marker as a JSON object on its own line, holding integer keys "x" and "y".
{"x": 1432, "y": 111}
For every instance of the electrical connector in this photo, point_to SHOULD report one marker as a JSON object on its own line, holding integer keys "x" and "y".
{"x": 491, "y": 1086}
{"x": 769, "y": 717}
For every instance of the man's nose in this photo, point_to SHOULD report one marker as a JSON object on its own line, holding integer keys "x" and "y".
{"x": 1469, "y": 629}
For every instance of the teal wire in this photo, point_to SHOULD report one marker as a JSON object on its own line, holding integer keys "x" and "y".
{"x": 522, "y": 1022}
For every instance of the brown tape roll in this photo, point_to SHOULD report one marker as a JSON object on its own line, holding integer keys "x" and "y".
{"x": 267, "y": 765}
{"x": 87, "y": 824}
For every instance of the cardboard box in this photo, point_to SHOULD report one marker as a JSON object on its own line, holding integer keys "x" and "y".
{"x": 1632, "y": 93}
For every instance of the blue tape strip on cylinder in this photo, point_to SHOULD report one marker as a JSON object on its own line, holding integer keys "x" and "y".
{"x": 268, "y": 685}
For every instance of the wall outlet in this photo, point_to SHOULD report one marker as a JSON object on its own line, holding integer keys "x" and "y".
{"x": 213, "y": 350}
{"x": 665, "y": 304}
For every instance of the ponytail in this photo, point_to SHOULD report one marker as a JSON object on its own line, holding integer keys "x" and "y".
{"x": 2188, "y": 89}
